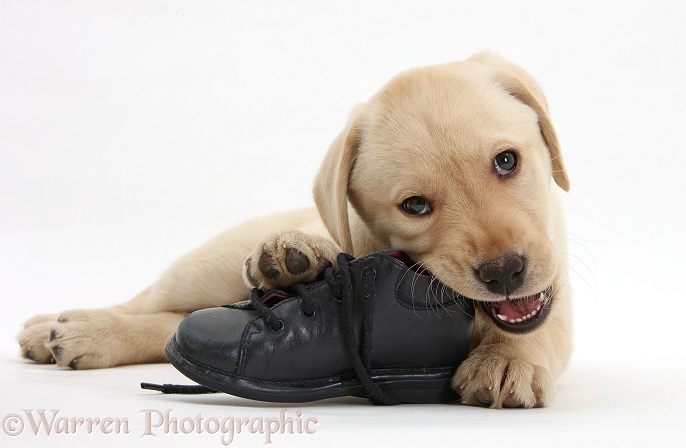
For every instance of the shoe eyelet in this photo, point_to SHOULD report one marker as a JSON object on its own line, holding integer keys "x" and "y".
{"x": 369, "y": 273}
{"x": 306, "y": 314}
{"x": 280, "y": 327}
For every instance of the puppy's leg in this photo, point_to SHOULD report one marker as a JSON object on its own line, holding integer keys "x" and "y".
{"x": 137, "y": 331}
{"x": 282, "y": 259}
{"x": 516, "y": 370}
{"x": 90, "y": 339}
{"x": 87, "y": 339}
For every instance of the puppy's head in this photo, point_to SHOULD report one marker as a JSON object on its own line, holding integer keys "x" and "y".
{"x": 453, "y": 165}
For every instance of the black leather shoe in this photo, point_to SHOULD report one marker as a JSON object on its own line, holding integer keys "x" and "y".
{"x": 375, "y": 329}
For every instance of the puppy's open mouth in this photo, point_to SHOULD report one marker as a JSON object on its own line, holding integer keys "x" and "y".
{"x": 521, "y": 314}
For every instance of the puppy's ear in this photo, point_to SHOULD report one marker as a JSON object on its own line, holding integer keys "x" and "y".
{"x": 523, "y": 87}
{"x": 331, "y": 184}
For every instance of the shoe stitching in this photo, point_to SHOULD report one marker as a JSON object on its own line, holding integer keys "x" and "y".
{"x": 246, "y": 339}
{"x": 468, "y": 306}
{"x": 400, "y": 268}
{"x": 369, "y": 277}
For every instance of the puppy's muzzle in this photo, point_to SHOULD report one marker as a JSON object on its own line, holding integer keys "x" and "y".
{"x": 514, "y": 314}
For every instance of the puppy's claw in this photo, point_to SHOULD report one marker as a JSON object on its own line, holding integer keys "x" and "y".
{"x": 248, "y": 275}
{"x": 53, "y": 334}
{"x": 56, "y": 352}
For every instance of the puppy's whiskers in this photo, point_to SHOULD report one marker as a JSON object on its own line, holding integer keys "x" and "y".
{"x": 457, "y": 298}
{"x": 417, "y": 269}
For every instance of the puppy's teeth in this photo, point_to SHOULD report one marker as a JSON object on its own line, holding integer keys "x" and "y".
{"x": 528, "y": 316}
{"x": 518, "y": 320}
{"x": 512, "y": 321}
{"x": 501, "y": 317}
{"x": 533, "y": 313}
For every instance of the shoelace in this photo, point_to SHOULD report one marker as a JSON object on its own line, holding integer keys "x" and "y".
{"x": 361, "y": 361}
{"x": 344, "y": 292}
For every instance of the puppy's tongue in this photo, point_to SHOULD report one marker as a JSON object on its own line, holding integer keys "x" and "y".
{"x": 518, "y": 309}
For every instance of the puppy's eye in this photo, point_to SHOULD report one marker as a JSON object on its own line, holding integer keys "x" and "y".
{"x": 505, "y": 163}
{"x": 416, "y": 206}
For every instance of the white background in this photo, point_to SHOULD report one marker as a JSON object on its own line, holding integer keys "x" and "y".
{"x": 131, "y": 131}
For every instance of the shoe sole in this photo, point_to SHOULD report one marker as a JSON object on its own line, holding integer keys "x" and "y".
{"x": 407, "y": 386}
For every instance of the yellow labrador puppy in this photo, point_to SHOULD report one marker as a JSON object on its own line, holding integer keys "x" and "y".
{"x": 459, "y": 166}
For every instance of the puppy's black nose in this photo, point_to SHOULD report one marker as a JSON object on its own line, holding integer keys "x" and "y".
{"x": 502, "y": 275}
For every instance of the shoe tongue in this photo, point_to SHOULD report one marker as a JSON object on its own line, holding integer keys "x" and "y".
{"x": 518, "y": 308}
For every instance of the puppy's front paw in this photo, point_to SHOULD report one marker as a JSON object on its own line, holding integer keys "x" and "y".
{"x": 283, "y": 259}
{"x": 488, "y": 377}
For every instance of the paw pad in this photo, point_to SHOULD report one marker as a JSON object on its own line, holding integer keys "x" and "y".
{"x": 266, "y": 265}
{"x": 296, "y": 261}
